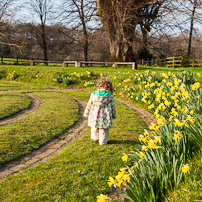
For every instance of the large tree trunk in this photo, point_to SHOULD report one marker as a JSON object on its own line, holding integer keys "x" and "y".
{"x": 120, "y": 18}
{"x": 121, "y": 49}
{"x": 120, "y": 32}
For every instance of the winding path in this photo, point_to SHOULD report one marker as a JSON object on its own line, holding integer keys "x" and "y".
{"x": 54, "y": 146}
{"x": 35, "y": 104}
{"x": 48, "y": 149}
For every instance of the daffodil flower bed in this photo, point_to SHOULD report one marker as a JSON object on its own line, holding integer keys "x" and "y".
{"x": 159, "y": 164}
{"x": 68, "y": 78}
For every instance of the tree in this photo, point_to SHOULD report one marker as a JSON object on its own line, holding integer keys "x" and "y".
{"x": 7, "y": 12}
{"x": 120, "y": 18}
{"x": 42, "y": 10}
{"x": 195, "y": 3}
{"x": 78, "y": 14}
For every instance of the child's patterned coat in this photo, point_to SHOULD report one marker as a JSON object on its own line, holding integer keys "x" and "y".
{"x": 100, "y": 109}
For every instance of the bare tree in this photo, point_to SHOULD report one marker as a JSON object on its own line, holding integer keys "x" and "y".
{"x": 5, "y": 6}
{"x": 182, "y": 19}
{"x": 41, "y": 11}
{"x": 120, "y": 18}
{"x": 78, "y": 14}
{"x": 7, "y": 12}
{"x": 195, "y": 3}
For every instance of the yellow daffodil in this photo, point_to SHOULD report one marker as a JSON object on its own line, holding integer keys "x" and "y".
{"x": 102, "y": 198}
{"x": 185, "y": 168}
{"x": 151, "y": 106}
{"x": 111, "y": 181}
{"x": 126, "y": 178}
{"x": 124, "y": 157}
{"x": 151, "y": 144}
{"x": 144, "y": 148}
{"x": 157, "y": 139}
{"x": 142, "y": 138}
{"x": 141, "y": 154}
{"x": 152, "y": 126}
{"x": 191, "y": 112}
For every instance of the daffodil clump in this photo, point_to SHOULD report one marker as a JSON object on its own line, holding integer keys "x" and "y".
{"x": 89, "y": 73}
{"x": 69, "y": 78}
{"x": 89, "y": 83}
{"x": 158, "y": 164}
{"x": 13, "y": 75}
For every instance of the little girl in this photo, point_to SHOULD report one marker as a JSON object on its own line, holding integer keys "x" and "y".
{"x": 100, "y": 111}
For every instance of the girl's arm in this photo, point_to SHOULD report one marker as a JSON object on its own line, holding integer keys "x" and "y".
{"x": 88, "y": 107}
{"x": 113, "y": 109}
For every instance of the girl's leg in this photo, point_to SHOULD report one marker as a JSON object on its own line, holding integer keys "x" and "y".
{"x": 95, "y": 134}
{"x": 103, "y": 136}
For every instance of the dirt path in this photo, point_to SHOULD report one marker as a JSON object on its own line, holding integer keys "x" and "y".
{"x": 36, "y": 103}
{"x": 143, "y": 114}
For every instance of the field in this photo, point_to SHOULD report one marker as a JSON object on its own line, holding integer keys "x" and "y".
{"x": 81, "y": 169}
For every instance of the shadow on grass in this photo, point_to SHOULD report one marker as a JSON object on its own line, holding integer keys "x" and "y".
{"x": 127, "y": 142}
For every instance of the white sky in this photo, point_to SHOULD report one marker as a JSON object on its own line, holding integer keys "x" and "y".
{"x": 24, "y": 15}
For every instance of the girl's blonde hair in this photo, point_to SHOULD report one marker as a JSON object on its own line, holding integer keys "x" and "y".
{"x": 106, "y": 84}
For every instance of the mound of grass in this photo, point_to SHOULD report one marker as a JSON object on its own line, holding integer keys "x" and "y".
{"x": 80, "y": 171}
{"x": 57, "y": 114}
{"x": 13, "y": 102}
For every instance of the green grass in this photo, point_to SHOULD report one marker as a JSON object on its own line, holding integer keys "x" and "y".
{"x": 191, "y": 188}
{"x": 79, "y": 172}
{"x": 57, "y": 114}
{"x": 20, "y": 86}
{"x": 44, "y": 74}
{"x": 12, "y": 102}
{"x": 58, "y": 179}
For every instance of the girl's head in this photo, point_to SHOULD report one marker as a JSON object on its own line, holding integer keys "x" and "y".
{"x": 106, "y": 84}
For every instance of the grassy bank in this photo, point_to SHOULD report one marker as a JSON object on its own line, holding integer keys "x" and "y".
{"x": 81, "y": 170}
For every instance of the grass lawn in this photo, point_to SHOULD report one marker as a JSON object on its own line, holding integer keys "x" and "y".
{"x": 12, "y": 102}
{"x": 81, "y": 170}
{"x": 45, "y": 74}
{"x": 20, "y": 86}
{"x": 57, "y": 114}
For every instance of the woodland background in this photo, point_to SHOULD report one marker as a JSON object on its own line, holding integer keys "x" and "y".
{"x": 82, "y": 29}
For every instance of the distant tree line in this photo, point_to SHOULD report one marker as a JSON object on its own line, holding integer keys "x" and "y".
{"x": 121, "y": 30}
